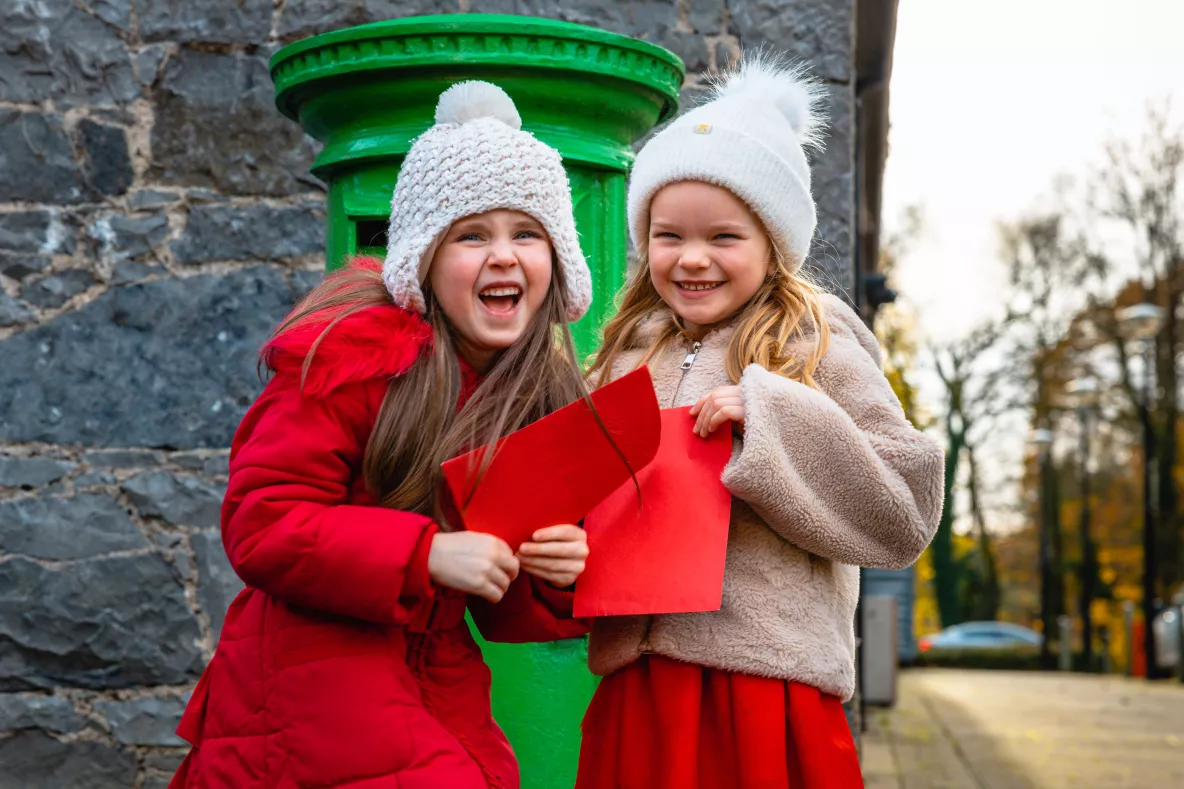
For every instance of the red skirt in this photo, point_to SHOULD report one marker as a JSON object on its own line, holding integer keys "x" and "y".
{"x": 663, "y": 724}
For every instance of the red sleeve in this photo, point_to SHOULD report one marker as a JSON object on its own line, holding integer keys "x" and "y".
{"x": 287, "y": 528}
{"x": 531, "y": 610}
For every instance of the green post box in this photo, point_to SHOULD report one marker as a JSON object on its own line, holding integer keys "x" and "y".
{"x": 366, "y": 92}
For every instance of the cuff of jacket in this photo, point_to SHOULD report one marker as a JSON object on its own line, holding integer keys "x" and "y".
{"x": 417, "y": 581}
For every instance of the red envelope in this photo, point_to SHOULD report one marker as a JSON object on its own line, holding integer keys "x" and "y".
{"x": 555, "y": 470}
{"x": 668, "y": 556}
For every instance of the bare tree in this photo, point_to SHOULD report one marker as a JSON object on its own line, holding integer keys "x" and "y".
{"x": 1139, "y": 193}
{"x": 970, "y": 377}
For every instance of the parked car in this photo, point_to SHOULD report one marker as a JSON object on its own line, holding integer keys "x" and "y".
{"x": 980, "y": 635}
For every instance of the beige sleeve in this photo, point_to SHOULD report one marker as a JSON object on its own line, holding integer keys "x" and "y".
{"x": 839, "y": 472}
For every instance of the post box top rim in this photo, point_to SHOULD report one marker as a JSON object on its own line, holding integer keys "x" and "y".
{"x": 496, "y": 24}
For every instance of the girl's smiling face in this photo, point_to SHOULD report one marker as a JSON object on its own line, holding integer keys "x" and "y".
{"x": 490, "y": 275}
{"x": 708, "y": 253}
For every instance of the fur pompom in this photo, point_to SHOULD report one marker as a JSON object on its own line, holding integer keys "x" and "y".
{"x": 766, "y": 79}
{"x": 468, "y": 101}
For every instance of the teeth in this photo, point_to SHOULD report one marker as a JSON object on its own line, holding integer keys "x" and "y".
{"x": 500, "y": 292}
{"x": 687, "y": 286}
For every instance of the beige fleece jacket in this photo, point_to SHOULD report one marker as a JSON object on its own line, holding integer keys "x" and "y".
{"x": 823, "y": 482}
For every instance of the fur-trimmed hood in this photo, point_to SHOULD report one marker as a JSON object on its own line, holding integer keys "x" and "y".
{"x": 376, "y": 342}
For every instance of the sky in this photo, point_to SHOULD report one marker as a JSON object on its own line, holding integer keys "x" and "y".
{"x": 989, "y": 103}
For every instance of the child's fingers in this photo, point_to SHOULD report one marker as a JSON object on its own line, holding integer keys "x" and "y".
{"x": 730, "y": 413}
{"x": 500, "y": 578}
{"x": 554, "y": 550}
{"x": 535, "y": 566}
{"x": 564, "y": 532}
{"x": 704, "y": 417}
{"x": 489, "y": 591}
{"x": 698, "y": 406}
{"x": 507, "y": 564}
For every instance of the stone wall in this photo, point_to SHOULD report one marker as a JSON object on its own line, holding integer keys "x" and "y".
{"x": 156, "y": 218}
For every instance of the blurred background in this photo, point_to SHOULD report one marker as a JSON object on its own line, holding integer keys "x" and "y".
{"x": 999, "y": 196}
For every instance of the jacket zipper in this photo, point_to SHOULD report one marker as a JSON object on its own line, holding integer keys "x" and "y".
{"x": 686, "y": 365}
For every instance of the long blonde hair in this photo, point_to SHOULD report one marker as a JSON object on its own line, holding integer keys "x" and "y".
{"x": 418, "y": 426}
{"x": 779, "y": 312}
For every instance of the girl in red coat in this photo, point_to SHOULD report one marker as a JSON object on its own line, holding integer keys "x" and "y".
{"x": 347, "y": 661}
{"x": 826, "y": 473}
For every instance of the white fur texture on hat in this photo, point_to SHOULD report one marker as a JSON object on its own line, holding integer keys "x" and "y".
{"x": 476, "y": 158}
{"x": 751, "y": 139}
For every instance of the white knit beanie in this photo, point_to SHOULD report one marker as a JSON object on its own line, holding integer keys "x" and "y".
{"x": 750, "y": 139}
{"x": 477, "y": 159}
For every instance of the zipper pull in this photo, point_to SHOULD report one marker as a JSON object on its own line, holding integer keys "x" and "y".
{"x": 689, "y": 362}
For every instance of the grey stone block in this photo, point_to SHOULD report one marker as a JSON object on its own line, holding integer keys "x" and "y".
{"x": 31, "y": 472}
{"x": 169, "y": 363}
{"x": 300, "y": 18}
{"x": 210, "y": 465}
{"x": 833, "y": 186}
{"x": 210, "y": 21}
{"x": 35, "y": 232}
{"x": 93, "y": 478}
{"x": 32, "y": 711}
{"x": 34, "y": 760}
{"x": 106, "y": 165}
{"x": 304, "y": 281}
{"x": 54, "y": 290}
{"x": 167, "y": 763}
{"x": 146, "y": 721}
{"x": 645, "y": 19}
{"x": 151, "y": 198}
{"x": 55, "y": 49}
{"x": 113, "y": 12}
{"x": 130, "y": 271}
{"x": 128, "y": 238}
{"x": 36, "y": 161}
{"x": 181, "y": 501}
{"x": 148, "y": 63}
{"x": 81, "y": 527}
{"x": 819, "y": 32}
{"x": 13, "y": 312}
{"x": 114, "y": 622}
{"x": 258, "y": 232}
{"x": 218, "y": 584}
{"x": 122, "y": 458}
{"x": 244, "y": 146}
{"x": 16, "y": 266}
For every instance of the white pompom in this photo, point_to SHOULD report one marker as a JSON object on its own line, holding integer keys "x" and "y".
{"x": 468, "y": 101}
{"x": 766, "y": 79}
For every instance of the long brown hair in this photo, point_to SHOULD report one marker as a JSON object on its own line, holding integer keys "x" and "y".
{"x": 419, "y": 426}
{"x": 781, "y": 310}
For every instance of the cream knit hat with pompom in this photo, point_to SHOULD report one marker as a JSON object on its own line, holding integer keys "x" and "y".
{"x": 750, "y": 139}
{"x": 477, "y": 159}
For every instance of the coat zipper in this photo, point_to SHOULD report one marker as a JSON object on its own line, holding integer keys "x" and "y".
{"x": 686, "y": 365}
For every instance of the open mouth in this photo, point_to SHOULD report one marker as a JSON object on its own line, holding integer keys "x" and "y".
{"x": 501, "y": 299}
{"x": 697, "y": 287}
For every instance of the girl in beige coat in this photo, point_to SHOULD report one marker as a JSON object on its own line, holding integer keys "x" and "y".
{"x": 827, "y": 475}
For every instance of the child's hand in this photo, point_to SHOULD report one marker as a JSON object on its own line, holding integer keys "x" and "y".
{"x": 557, "y": 554}
{"x": 716, "y": 407}
{"x": 478, "y": 564}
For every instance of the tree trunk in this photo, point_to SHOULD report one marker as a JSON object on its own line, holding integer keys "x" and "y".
{"x": 988, "y": 606}
{"x": 1167, "y": 443}
{"x": 945, "y": 569}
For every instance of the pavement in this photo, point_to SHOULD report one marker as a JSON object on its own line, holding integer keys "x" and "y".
{"x": 958, "y": 729}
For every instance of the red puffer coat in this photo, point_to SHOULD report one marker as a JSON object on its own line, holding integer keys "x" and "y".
{"x": 341, "y": 665}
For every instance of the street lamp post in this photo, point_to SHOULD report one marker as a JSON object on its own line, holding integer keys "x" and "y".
{"x": 1043, "y": 438}
{"x": 1084, "y": 391}
{"x": 1142, "y": 323}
